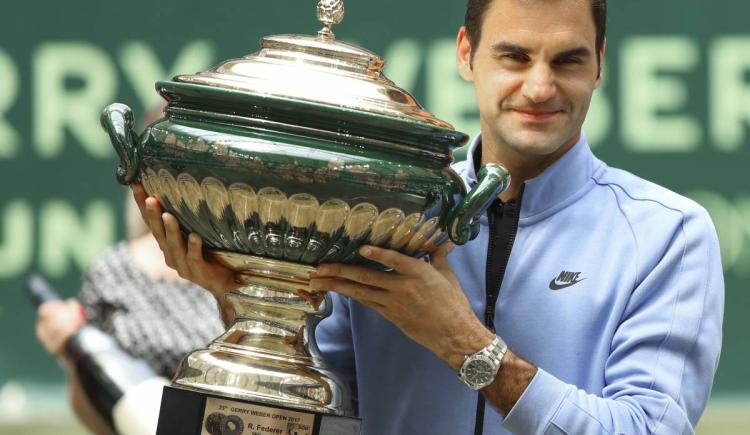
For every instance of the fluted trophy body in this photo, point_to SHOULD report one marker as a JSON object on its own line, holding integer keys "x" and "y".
{"x": 281, "y": 160}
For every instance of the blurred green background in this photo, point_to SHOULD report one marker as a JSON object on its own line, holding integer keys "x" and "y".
{"x": 674, "y": 108}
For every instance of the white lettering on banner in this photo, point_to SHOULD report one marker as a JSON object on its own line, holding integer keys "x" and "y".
{"x": 448, "y": 95}
{"x": 732, "y": 221}
{"x": 65, "y": 235}
{"x": 9, "y": 85}
{"x": 56, "y": 107}
{"x": 742, "y": 266}
{"x": 599, "y": 119}
{"x": 404, "y": 58}
{"x": 143, "y": 68}
{"x": 646, "y": 93}
{"x": 17, "y": 238}
{"x": 72, "y": 81}
{"x": 729, "y": 92}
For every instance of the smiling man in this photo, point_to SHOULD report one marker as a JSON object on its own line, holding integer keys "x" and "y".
{"x": 591, "y": 301}
{"x": 534, "y": 66}
{"x": 607, "y": 289}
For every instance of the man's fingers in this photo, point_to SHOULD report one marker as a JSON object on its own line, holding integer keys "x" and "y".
{"x": 215, "y": 277}
{"x": 392, "y": 259}
{"x": 176, "y": 245}
{"x": 140, "y": 195}
{"x": 439, "y": 258}
{"x": 155, "y": 221}
{"x": 362, "y": 275}
{"x": 363, "y": 294}
{"x": 195, "y": 250}
{"x": 195, "y": 258}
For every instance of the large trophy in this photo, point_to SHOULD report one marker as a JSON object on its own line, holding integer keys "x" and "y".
{"x": 281, "y": 160}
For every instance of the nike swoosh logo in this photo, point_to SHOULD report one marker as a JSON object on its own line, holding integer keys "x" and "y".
{"x": 553, "y": 285}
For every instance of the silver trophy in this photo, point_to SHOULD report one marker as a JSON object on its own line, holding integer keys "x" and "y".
{"x": 281, "y": 160}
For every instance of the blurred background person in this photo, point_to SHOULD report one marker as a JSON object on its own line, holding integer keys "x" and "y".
{"x": 129, "y": 293}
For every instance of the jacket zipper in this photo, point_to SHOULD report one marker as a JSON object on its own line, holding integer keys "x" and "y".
{"x": 503, "y": 223}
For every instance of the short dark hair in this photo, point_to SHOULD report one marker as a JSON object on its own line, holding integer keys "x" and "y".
{"x": 476, "y": 9}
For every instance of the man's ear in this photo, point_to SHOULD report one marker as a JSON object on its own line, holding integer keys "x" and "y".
{"x": 463, "y": 55}
{"x": 600, "y": 76}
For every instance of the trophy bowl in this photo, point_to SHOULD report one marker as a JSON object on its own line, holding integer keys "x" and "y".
{"x": 284, "y": 159}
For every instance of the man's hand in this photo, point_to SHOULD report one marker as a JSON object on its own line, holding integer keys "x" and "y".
{"x": 422, "y": 299}
{"x": 186, "y": 257}
{"x": 427, "y": 303}
{"x": 56, "y": 323}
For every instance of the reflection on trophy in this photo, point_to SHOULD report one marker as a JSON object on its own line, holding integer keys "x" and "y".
{"x": 281, "y": 160}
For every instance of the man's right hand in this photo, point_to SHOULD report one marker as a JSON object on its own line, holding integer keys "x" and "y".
{"x": 186, "y": 257}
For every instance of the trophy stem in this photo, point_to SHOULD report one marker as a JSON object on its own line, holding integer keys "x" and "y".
{"x": 269, "y": 353}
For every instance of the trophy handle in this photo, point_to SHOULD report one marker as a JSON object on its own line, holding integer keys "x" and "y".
{"x": 463, "y": 221}
{"x": 117, "y": 120}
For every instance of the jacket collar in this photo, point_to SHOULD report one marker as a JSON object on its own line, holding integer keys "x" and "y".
{"x": 561, "y": 183}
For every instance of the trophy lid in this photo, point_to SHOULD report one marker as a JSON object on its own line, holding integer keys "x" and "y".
{"x": 322, "y": 75}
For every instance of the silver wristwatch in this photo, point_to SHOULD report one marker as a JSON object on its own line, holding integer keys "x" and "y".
{"x": 479, "y": 370}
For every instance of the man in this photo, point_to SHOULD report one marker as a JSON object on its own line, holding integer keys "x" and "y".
{"x": 607, "y": 289}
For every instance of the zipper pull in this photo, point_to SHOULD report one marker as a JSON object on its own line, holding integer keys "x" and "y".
{"x": 489, "y": 314}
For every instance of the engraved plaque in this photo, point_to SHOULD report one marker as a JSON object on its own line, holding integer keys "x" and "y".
{"x": 227, "y": 417}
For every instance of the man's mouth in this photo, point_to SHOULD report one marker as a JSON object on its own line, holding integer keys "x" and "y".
{"x": 536, "y": 115}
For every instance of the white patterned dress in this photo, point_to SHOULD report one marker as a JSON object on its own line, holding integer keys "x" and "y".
{"x": 156, "y": 320}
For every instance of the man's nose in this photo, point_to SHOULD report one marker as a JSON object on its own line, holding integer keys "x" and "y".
{"x": 539, "y": 85}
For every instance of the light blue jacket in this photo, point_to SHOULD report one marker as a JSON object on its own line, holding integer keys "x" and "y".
{"x": 630, "y": 348}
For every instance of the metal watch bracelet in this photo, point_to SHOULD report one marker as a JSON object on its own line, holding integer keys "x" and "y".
{"x": 480, "y": 369}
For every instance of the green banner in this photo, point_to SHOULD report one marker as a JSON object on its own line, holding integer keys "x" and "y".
{"x": 674, "y": 108}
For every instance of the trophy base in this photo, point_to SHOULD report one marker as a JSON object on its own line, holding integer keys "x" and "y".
{"x": 186, "y": 412}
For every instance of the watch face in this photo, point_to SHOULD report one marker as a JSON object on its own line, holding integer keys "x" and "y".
{"x": 479, "y": 371}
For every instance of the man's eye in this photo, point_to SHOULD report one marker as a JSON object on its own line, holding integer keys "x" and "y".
{"x": 515, "y": 57}
{"x": 568, "y": 61}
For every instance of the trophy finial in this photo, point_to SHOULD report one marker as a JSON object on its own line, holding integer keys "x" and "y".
{"x": 330, "y": 13}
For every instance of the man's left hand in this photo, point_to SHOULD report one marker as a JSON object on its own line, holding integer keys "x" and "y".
{"x": 424, "y": 300}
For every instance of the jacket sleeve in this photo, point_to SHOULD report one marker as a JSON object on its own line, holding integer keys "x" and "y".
{"x": 664, "y": 353}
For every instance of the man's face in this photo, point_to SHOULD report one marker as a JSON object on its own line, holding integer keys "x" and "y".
{"x": 534, "y": 71}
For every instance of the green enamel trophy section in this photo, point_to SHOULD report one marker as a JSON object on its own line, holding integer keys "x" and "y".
{"x": 294, "y": 198}
{"x": 305, "y": 198}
